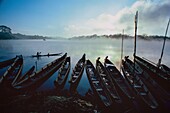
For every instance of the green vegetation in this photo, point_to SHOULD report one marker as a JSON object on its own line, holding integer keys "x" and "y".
{"x": 5, "y": 36}
{"x": 117, "y": 36}
{"x": 5, "y": 33}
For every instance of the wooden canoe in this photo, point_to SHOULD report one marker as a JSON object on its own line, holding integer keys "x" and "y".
{"x": 77, "y": 74}
{"x": 13, "y": 71}
{"x": 101, "y": 94}
{"x": 7, "y": 62}
{"x": 39, "y": 55}
{"x": 118, "y": 79}
{"x": 32, "y": 82}
{"x": 162, "y": 97}
{"x": 27, "y": 74}
{"x": 63, "y": 74}
{"x": 108, "y": 83}
{"x": 162, "y": 78}
{"x": 165, "y": 69}
{"x": 140, "y": 89}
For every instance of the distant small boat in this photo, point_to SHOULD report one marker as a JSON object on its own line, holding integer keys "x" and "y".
{"x": 13, "y": 72}
{"x": 63, "y": 74}
{"x": 101, "y": 94}
{"x": 77, "y": 74}
{"x": 39, "y": 55}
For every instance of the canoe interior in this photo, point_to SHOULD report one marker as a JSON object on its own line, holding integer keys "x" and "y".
{"x": 103, "y": 99}
{"x": 137, "y": 84}
{"x": 12, "y": 72}
{"x": 37, "y": 78}
{"x": 63, "y": 74}
{"x": 77, "y": 73}
{"x": 156, "y": 74}
{"x": 7, "y": 62}
{"x": 26, "y": 75}
{"x": 106, "y": 79}
{"x": 119, "y": 80}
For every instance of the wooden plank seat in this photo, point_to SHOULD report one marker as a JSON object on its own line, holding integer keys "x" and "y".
{"x": 96, "y": 82}
{"x": 99, "y": 89}
{"x": 102, "y": 74}
{"x": 137, "y": 86}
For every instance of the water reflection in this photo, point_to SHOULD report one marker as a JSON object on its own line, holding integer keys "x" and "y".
{"x": 76, "y": 48}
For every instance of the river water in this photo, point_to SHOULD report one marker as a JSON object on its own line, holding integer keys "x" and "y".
{"x": 93, "y": 48}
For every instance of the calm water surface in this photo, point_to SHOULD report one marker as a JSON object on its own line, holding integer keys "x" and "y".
{"x": 76, "y": 48}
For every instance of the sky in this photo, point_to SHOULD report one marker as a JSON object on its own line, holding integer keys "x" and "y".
{"x": 68, "y": 18}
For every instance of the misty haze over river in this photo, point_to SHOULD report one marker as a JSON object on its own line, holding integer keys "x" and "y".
{"x": 93, "y": 48}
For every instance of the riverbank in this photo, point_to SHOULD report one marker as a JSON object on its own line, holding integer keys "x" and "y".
{"x": 47, "y": 102}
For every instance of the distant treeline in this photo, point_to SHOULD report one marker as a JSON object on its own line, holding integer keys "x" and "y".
{"x": 5, "y": 36}
{"x": 117, "y": 36}
{"x": 21, "y": 36}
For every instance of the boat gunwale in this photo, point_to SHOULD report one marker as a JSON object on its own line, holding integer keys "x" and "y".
{"x": 74, "y": 83}
{"x": 61, "y": 83}
{"x": 54, "y": 64}
{"x": 148, "y": 93}
{"x": 88, "y": 62}
{"x": 18, "y": 62}
{"x": 117, "y": 99}
{"x": 120, "y": 77}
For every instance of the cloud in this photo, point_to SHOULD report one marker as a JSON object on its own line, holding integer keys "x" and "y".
{"x": 153, "y": 17}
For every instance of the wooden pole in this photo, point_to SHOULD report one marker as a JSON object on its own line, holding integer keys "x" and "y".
{"x": 159, "y": 61}
{"x": 36, "y": 65}
{"x": 136, "y": 21}
{"x": 121, "y": 50}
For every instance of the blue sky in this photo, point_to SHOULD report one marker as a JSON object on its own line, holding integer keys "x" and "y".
{"x": 67, "y": 18}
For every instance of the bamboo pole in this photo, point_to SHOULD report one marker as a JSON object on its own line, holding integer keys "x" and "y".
{"x": 159, "y": 61}
{"x": 121, "y": 50}
{"x": 136, "y": 21}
